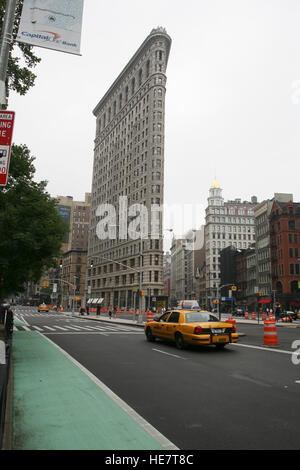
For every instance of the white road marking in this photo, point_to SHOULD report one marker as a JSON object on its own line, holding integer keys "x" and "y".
{"x": 168, "y": 354}
{"x": 282, "y": 351}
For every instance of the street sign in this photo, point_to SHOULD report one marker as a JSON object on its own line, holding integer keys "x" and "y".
{"x": 6, "y": 131}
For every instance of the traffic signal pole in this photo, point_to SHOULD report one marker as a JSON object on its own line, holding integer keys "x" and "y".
{"x": 6, "y": 41}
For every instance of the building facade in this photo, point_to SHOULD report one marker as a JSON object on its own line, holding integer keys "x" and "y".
{"x": 263, "y": 247}
{"x": 227, "y": 223}
{"x": 285, "y": 253}
{"x": 128, "y": 177}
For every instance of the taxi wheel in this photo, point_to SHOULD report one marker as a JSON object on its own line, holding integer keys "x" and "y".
{"x": 149, "y": 335}
{"x": 179, "y": 341}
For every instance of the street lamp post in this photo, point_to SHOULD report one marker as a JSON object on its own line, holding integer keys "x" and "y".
{"x": 6, "y": 41}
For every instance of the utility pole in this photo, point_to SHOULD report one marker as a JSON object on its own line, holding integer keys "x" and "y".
{"x": 6, "y": 41}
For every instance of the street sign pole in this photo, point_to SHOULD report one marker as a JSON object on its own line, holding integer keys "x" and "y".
{"x": 6, "y": 41}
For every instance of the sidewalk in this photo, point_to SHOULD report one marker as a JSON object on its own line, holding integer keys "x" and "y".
{"x": 56, "y": 404}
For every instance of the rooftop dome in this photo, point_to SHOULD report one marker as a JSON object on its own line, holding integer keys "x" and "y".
{"x": 215, "y": 184}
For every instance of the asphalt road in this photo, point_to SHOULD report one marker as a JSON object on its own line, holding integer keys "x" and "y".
{"x": 244, "y": 397}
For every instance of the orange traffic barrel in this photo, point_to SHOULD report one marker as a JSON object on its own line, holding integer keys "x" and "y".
{"x": 270, "y": 333}
{"x": 233, "y": 323}
{"x": 149, "y": 316}
{"x": 246, "y": 315}
{"x": 264, "y": 316}
{"x": 253, "y": 316}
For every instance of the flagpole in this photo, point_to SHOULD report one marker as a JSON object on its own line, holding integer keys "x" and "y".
{"x": 6, "y": 41}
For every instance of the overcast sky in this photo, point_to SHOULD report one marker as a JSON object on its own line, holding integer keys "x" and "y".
{"x": 232, "y": 103}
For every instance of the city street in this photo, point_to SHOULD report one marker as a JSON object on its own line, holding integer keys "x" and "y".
{"x": 244, "y": 397}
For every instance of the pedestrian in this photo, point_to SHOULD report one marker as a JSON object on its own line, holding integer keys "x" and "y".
{"x": 110, "y": 312}
{"x": 277, "y": 314}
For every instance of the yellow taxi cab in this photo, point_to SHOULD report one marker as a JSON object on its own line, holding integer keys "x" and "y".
{"x": 190, "y": 327}
{"x": 43, "y": 308}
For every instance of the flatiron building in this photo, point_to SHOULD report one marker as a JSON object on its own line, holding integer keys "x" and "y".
{"x": 129, "y": 166}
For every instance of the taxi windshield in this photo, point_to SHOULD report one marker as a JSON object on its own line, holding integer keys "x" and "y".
{"x": 200, "y": 316}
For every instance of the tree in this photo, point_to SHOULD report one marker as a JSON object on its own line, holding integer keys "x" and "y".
{"x": 19, "y": 78}
{"x": 31, "y": 230}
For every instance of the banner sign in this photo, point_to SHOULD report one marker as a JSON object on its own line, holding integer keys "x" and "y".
{"x": 53, "y": 24}
{"x": 6, "y": 130}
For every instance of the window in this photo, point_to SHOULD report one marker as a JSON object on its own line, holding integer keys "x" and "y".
{"x": 148, "y": 68}
{"x": 292, "y": 224}
{"x": 132, "y": 86}
{"x": 174, "y": 317}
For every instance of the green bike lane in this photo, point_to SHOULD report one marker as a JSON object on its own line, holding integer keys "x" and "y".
{"x": 58, "y": 405}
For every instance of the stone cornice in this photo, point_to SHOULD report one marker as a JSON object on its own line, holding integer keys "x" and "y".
{"x": 155, "y": 33}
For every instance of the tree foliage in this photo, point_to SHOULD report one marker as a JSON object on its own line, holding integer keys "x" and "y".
{"x": 19, "y": 76}
{"x": 31, "y": 230}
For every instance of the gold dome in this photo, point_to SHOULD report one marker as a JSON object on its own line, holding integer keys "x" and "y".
{"x": 215, "y": 185}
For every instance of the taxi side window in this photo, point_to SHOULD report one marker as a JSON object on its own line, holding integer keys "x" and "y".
{"x": 164, "y": 317}
{"x": 174, "y": 317}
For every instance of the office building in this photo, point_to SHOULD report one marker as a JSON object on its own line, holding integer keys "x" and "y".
{"x": 128, "y": 173}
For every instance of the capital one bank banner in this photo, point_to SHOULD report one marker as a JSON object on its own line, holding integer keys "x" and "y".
{"x": 53, "y": 24}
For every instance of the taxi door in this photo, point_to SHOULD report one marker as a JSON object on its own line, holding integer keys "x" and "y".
{"x": 172, "y": 325}
{"x": 159, "y": 327}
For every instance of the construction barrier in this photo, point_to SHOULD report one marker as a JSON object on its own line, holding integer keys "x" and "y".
{"x": 270, "y": 333}
{"x": 233, "y": 323}
{"x": 246, "y": 315}
{"x": 253, "y": 316}
{"x": 149, "y": 316}
{"x": 264, "y": 316}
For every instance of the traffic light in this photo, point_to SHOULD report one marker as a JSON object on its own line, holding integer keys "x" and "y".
{"x": 141, "y": 293}
{"x": 60, "y": 263}
{"x": 92, "y": 263}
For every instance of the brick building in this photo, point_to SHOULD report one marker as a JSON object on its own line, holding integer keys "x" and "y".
{"x": 285, "y": 253}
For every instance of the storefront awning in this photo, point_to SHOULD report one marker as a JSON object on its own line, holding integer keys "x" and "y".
{"x": 265, "y": 301}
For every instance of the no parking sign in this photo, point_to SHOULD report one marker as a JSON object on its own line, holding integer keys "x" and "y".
{"x": 6, "y": 130}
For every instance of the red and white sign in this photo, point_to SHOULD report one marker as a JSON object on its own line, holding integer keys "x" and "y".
{"x": 6, "y": 131}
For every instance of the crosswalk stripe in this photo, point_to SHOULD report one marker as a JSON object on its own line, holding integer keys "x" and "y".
{"x": 37, "y": 328}
{"x": 49, "y": 328}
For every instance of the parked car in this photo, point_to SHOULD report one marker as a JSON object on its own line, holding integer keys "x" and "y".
{"x": 289, "y": 313}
